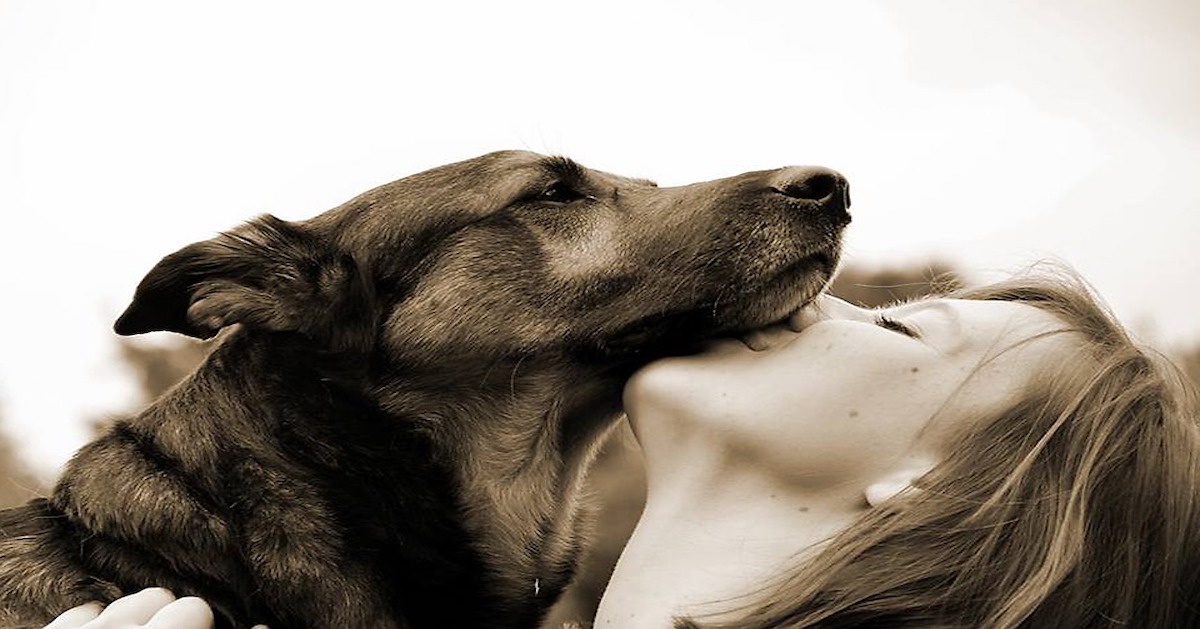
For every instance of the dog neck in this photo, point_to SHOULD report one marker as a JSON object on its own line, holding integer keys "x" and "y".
{"x": 524, "y": 434}
{"x": 467, "y": 490}
{"x": 415, "y": 502}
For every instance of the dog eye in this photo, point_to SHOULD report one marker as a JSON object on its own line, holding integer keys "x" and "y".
{"x": 559, "y": 192}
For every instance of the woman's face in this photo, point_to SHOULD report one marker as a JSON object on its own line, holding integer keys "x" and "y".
{"x": 842, "y": 394}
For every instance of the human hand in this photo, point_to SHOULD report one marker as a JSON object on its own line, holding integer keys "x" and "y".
{"x": 152, "y": 608}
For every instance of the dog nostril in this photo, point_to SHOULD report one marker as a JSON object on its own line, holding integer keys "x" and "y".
{"x": 810, "y": 182}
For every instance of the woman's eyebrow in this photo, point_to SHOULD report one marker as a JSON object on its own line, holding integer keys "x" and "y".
{"x": 944, "y": 310}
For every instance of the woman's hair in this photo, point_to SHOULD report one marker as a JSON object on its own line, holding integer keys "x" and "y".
{"x": 1076, "y": 507}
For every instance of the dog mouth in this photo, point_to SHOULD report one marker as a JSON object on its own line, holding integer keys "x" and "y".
{"x": 747, "y": 316}
{"x": 787, "y": 292}
{"x": 771, "y": 335}
{"x": 785, "y": 300}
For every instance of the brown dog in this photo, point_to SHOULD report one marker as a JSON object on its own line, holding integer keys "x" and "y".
{"x": 393, "y": 434}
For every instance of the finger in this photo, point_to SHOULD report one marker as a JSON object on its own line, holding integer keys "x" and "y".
{"x": 137, "y": 609}
{"x": 188, "y": 612}
{"x": 76, "y": 616}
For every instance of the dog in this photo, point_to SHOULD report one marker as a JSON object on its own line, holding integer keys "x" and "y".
{"x": 392, "y": 428}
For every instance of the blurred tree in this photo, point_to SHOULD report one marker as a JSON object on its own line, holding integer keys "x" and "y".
{"x": 161, "y": 365}
{"x": 1189, "y": 361}
{"x": 879, "y": 287}
{"x": 156, "y": 366}
{"x": 17, "y": 484}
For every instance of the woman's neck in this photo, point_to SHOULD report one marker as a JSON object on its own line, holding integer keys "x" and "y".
{"x": 714, "y": 528}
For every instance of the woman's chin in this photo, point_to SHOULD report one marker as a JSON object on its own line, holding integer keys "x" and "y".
{"x": 664, "y": 385}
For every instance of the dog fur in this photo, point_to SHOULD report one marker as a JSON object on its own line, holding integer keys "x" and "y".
{"x": 392, "y": 430}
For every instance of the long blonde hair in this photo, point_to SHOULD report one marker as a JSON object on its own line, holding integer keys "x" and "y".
{"x": 1076, "y": 507}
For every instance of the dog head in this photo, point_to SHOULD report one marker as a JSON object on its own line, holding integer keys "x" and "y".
{"x": 513, "y": 254}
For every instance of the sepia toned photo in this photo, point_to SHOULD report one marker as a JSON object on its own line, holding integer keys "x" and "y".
{"x": 661, "y": 315}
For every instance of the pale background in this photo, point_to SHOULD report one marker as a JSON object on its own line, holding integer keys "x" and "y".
{"x": 985, "y": 134}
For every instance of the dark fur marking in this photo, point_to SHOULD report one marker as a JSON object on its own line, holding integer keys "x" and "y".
{"x": 166, "y": 465}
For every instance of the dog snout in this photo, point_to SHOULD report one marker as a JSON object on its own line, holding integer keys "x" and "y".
{"x": 825, "y": 186}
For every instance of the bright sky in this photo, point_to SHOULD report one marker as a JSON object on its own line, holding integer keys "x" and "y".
{"x": 989, "y": 134}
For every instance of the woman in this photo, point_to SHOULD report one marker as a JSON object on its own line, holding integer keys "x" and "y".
{"x": 1005, "y": 457}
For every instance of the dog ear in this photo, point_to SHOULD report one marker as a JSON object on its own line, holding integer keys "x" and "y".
{"x": 268, "y": 274}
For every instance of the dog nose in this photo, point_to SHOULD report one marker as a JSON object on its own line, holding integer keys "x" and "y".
{"x": 813, "y": 183}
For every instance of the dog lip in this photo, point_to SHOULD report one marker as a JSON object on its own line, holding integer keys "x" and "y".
{"x": 763, "y": 337}
{"x": 821, "y": 261}
{"x": 769, "y": 307}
